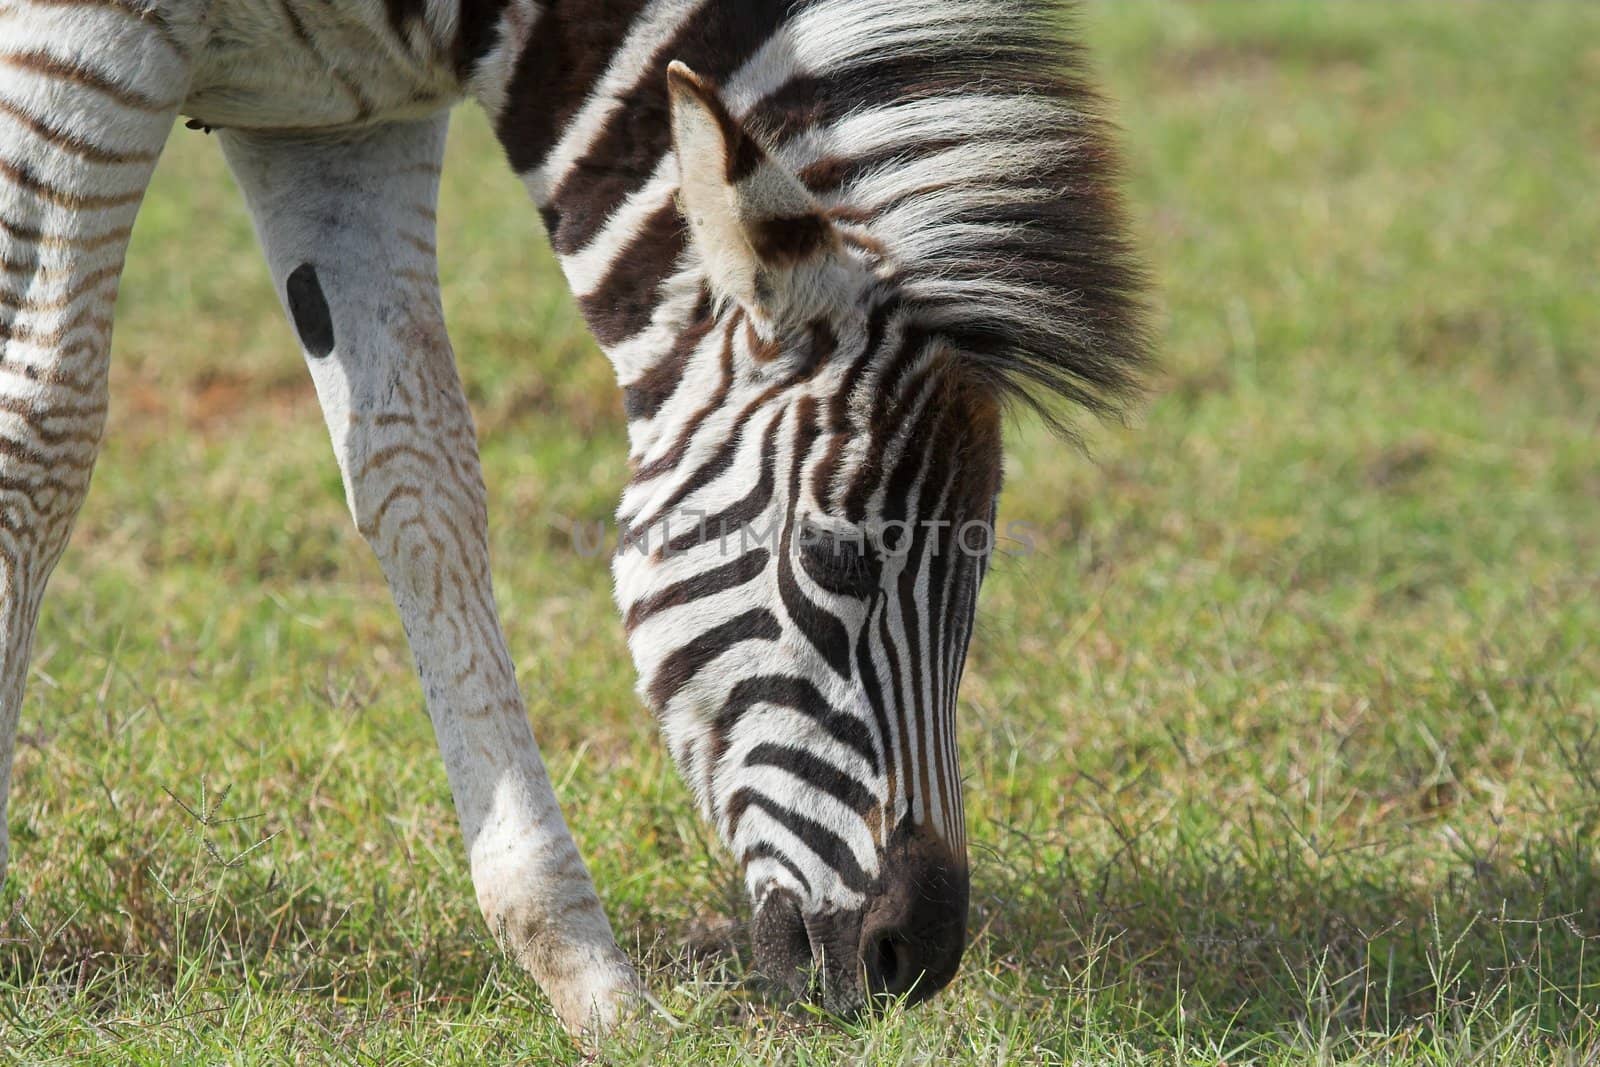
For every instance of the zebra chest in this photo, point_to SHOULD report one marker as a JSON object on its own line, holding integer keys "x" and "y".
{"x": 304, "y": 64}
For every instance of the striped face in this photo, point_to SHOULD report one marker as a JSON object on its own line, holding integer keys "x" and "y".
{"x": 809, "y": 521}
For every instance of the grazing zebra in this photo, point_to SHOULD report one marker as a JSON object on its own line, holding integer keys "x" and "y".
{"x": 825, "y": 244}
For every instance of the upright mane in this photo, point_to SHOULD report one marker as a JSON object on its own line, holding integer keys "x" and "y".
{"x": 962, "y": 138}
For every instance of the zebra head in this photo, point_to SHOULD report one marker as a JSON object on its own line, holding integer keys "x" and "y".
{"x": 809, "y": 520}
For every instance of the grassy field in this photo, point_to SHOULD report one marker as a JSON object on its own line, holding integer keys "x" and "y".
{"x": 1284, "y": 746}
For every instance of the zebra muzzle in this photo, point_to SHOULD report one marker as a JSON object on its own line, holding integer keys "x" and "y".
{"x": 904, "y": 944}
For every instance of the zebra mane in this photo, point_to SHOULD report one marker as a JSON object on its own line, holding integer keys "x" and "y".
{"x": 963, "y": 139}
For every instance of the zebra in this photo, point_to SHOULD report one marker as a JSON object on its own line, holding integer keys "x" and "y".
{"x": 826, "y": 244}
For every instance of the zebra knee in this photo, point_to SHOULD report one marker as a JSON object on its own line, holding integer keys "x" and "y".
{"x": 391, "y": 516}
{"x": 52, "y": 414}
{"x": 422, "y": 514}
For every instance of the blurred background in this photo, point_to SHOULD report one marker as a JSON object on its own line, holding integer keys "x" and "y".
{"x": 1284, "y": 743}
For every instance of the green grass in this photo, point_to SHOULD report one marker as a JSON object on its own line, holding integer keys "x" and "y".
{"x": 1283, "y": 747}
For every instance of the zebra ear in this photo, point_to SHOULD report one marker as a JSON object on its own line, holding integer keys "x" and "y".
{"x": 751, "y": 219}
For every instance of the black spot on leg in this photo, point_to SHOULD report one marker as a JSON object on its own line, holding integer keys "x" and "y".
{"x": 309, "y": 310}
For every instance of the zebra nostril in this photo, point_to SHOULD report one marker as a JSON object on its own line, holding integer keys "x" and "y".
{"x": 914, "y": 929}
{"x": 898, "y": 966}
{"x": 797, "y": 945}
{"x": 885, "y": 965}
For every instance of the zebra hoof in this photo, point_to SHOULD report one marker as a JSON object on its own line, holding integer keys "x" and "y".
{"x": 597, "y": 995}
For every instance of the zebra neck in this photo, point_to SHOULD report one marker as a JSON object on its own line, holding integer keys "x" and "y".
{"x": 581, "y": 111}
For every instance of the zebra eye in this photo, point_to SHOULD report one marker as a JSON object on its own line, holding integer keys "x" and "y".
{"x": 843, "y": 564}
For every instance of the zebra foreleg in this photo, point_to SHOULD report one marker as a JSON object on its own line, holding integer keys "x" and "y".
{"x": 348, "y": 229}
{"x": 87, "y": 95}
